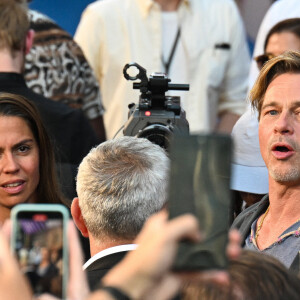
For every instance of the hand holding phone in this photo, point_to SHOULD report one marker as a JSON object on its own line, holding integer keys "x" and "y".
{"x": 39, "y": 241}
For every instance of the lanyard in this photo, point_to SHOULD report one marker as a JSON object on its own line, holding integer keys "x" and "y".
{"x": 168, "y": 63}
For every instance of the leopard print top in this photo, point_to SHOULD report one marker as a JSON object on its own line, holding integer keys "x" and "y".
{"x": 56, "y": 68}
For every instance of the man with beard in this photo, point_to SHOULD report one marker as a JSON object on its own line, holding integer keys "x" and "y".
{"x": 272, "y": 225}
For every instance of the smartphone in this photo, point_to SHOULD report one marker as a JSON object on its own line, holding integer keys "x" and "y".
{"x": 200, "y": 185}
{"x": 39, "y": 241}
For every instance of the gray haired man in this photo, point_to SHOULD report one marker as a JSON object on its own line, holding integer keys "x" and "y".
{"x": 120, "y": 184}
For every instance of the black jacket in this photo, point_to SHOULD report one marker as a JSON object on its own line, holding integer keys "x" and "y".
{"x": 97, "y": 270}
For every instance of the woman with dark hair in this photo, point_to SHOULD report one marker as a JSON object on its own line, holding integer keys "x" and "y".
{"x": 282, "y": 37}
{"x": 27, "y": 168}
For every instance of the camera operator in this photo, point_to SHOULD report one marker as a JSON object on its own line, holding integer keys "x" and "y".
{"x": 200, "y": 42}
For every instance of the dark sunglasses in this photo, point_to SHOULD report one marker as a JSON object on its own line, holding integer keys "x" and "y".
{"x": 262, "y": 59}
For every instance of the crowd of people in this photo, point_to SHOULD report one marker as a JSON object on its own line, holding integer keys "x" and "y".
{"x": 62, "y": 101}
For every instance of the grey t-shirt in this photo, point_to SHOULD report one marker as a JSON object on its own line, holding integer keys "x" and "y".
{"x": 285, "y": 249}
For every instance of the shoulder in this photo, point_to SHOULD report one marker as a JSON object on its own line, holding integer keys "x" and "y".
{"x": 105, "y": 262}
{"x": 215, "y": 4}
{"x": 102, "y": 7}
{"x": 50, "y": 106}
{"x": 98, "y": 268}
{"x": 244, "y": 220}
{"x": 35, "y": 16}
{"x": 250, "y": 211}
{"x": 60, "y": 115}
{"x": 217, "y": 13}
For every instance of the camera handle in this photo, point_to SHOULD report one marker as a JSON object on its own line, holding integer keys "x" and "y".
{"x": 142, "y": 76}
{"x": 158, "y": 83}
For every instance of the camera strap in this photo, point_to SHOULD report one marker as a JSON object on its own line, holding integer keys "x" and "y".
{"x": 168, "y": 63}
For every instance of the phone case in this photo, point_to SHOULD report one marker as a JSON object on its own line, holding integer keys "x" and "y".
{"x": 200, "y": 184}
{"x": 45, "y": 208}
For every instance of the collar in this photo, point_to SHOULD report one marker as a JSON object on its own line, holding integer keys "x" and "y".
{"x": 145, "y": 6}
{"x": 293, "y": 230}
{"x": 7, "y": 77}
{"x": 109, "y": 251}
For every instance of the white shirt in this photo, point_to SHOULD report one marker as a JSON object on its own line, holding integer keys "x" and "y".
{"x": 278, "y": 11}
{"x": 170, "y": 26}
{"x": 113, "y": 33}
{"x": 109, "y": 251}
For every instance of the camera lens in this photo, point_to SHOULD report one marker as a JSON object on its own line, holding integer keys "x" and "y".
{"x": 157, "y": 134}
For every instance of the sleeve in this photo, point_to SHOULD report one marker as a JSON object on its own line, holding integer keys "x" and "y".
{"x": 233, "y": 90}
{"x": 88, "y": 37}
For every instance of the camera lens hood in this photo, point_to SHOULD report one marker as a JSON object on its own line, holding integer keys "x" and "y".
{"x": 158, "y": 134}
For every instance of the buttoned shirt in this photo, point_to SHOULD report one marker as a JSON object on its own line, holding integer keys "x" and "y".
{"x": 113, "y": 33}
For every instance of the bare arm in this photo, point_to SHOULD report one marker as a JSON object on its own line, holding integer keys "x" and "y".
{"x": 227, "y": 121}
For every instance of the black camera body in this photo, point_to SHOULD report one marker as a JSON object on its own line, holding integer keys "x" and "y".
{"x": 156, "y": 117}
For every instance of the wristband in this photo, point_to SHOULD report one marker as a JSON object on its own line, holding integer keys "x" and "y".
{"x": 115, "y": 292}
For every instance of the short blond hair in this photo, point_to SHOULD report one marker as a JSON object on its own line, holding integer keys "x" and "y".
{"x": 288, "y": 62}
{"x": 14, "y": 25}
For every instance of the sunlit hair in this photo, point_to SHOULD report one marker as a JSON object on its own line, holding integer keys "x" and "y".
{"x": 12, "y": 105}
{"x": 288, "y": 62}
{"x": 120, "y": 184}
{"x": 288, "y": 25}
{"x": 14, "y": 24}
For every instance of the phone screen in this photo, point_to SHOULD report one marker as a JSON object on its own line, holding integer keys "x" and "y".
{"x": 38, "y": 245}
{"x": 199, "y": 184}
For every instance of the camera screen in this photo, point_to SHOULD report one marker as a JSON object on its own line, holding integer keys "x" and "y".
{"x": 39, "y": 249}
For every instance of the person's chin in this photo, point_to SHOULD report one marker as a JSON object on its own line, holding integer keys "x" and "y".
{"x": 285, "y": 175}
{"x": 13, "y": 201}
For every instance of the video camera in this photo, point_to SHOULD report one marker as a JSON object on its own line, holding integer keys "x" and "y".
{"x": 156, "y": 117}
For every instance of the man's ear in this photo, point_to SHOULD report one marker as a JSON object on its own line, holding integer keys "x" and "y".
{"x": 29, "y": 40}
{"x": 77, "y": 217}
